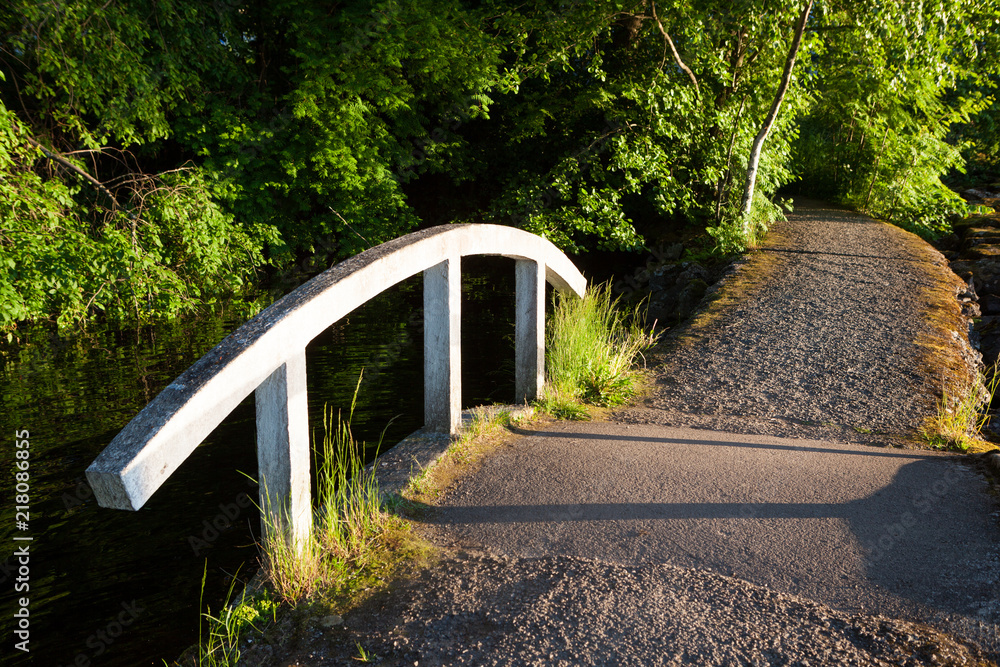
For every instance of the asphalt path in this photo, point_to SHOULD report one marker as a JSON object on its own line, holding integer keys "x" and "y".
{"x": 906, "y": 533}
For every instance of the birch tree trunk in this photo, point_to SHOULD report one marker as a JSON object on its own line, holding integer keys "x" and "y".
{"x": 772, "y": 115}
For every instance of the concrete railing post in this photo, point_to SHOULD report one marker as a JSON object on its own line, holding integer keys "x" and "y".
{"x": 529, "y": 330}
{"x": 283, "y": 451}
{"x": 443, "y": 346}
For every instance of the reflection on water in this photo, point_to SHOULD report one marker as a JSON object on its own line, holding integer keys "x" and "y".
{"x": 122, "y": 588}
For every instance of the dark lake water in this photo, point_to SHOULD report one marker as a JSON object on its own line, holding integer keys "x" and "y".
{"x": 112, "y": 588}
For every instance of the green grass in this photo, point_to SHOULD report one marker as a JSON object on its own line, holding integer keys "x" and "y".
{"x": 219, "y": 635}
{"x": 485, "y": 423}
{"x": 592, "y": 346}
{"x": 562, "y": 406}
{"x": 364, "y": 656}
{"x": 959, "y": 421}
{"x": 353, "y": 537}
{"x": 355, "y": 546}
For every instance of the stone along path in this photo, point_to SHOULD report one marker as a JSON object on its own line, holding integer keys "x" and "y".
{"x": 644, "y": 541}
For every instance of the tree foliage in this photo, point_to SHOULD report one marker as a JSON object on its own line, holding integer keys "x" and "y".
{"x": 156, "y": 155}
{"x": 891, "y": 91}
{"x": 96, "y": 215}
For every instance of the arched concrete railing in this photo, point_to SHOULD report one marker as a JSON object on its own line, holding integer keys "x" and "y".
{"x": 267, "y": 356}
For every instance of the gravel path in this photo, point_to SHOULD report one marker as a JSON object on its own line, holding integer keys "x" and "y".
{"x": 476, "y": 609}
{"x": 832, "y": 344}
{"x": 824, "y": 345}
{"x": 479, "y": 609}
{"x": 904, "y": 533}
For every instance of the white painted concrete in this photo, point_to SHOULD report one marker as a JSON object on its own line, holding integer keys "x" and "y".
{"x": 152, "y": 446}
{"x": 529, "y": 330}
{"x": 443, "y": 346}
{"x": 283, "y": 449}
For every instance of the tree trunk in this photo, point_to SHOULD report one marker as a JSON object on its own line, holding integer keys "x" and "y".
{"x": 871, "y": 186}
{"x": 724, "y": 181}
{"x": 772, "y": 115}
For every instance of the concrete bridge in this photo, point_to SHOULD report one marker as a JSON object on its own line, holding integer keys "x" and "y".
{"x": 266, "y": 357}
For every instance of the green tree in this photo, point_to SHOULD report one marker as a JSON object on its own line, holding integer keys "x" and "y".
{"x": 628, "y": 113}
{"x": 772, "y": 115}
{"x": 342, "y": 109}
{"x": 155, "y": 155}
{"x": 889, "y": 91}
{"x": 94, "y": 220}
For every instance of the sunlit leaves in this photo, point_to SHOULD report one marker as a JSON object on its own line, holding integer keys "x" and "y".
{"x": 890, "y": 91}
{"x": 234, "y": 135}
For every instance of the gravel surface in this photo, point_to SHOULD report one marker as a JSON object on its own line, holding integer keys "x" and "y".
{"x": 827, "y": 345}
{"x": 477, "y": 609}
{"x": 905, "y": 533}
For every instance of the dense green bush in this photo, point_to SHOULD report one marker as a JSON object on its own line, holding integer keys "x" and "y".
{"x": 171, "y": 251}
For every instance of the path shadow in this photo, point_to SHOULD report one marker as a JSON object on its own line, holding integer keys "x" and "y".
{"x": 922, "y": 545}
{"x": 872, "y": 452}
{"x": 893, "y": 258}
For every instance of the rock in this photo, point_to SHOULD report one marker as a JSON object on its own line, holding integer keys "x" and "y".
{"x": 671, "y": 253}
{"x": 692, "y": 272}
{"x": 977, "y": 221}
{"x": 979, "y": 234}
{"x": 983, "y": 250}
{"x": 990, "y": 304}
{"x": 657, "y": 312}
{"x": 949, "y": 242}
{"x": 969, "y": 294}
{"x": 663, "y": 277}
{"x": 970, "y": 309}
{"x": 979, "y": 194}
{"x": 689, "y": 297}
{"x": 988, "y": 328}
{"x": 674, "y": 288}
{"x": 963, "y": 267}
{"x": 330, "y": 621}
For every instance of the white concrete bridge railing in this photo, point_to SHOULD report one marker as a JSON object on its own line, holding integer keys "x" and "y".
{"x": 267, "y": 356}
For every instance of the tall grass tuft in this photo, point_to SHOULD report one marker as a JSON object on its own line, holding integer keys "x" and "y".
{"x": 959, "y": 422}
{"x": 353, "y": 535}
{"x": 592, "y": 346}
{"x": 293, "y": 574}
{"x": 350, "y": 513}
